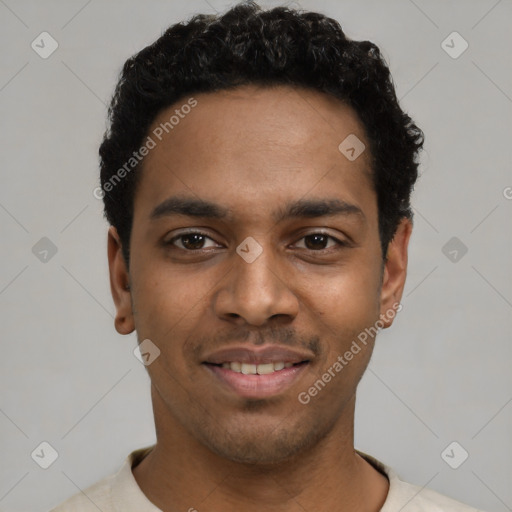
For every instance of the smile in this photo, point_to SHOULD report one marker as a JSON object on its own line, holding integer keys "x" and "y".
{"x": 256, "y": 381}
{"x": 259, "y": 369}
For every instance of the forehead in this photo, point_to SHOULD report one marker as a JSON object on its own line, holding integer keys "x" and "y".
{"x": 254, "y": 146}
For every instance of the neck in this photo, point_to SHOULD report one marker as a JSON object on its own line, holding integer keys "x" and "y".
{"x": 180, "y": 473}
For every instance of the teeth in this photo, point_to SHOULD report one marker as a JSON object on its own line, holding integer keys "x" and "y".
{"x": 264, "y": 369}
{"x": 248, "y": 369}
{"x": 253, "y": 369}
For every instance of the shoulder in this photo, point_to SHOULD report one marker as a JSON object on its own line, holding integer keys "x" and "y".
{"x": 412, "y": 498}
{"x": 118, "y": 491}
{"x": 94, "y": 498}
{"x": 405, "y": 497}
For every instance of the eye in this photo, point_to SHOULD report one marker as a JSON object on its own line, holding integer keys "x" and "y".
{"x": 192, "y": 241}
{"x": 319, "y": 242}
{"x": 197, "y": 241}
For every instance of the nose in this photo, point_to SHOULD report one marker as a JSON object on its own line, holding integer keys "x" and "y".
{"x": 256, "y": 292}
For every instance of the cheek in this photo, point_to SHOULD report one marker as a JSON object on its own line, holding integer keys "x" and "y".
{"x": 348, "y": 296}
{"x": 342, "y": 313}
{"x": 167, "y": 303}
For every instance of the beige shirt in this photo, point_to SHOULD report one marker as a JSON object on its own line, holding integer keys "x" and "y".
{"x": 121, "y": 493}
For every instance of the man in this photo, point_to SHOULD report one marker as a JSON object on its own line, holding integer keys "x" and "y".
{"x": 256, "y": 176}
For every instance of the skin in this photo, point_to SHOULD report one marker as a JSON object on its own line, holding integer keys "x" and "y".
{"x": 253, "y": 150}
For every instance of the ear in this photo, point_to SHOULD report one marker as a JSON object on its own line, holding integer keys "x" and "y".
{"x": 395, "y": 272}
{"x": 119, "y": 284}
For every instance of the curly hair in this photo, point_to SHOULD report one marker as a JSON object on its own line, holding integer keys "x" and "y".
{"x": 248, "y": 45}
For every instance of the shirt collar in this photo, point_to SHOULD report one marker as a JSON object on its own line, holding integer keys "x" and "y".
{"x": 125, "y": 491}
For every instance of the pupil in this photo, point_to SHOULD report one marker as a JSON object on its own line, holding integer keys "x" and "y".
{"x": 193, "y": 239}
{"x": 318, "y": 239}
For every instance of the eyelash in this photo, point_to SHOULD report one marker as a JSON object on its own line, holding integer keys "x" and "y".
{"x": 170, "y": 242}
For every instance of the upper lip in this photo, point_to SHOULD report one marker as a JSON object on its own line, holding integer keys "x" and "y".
{"x": 258, "y": 355}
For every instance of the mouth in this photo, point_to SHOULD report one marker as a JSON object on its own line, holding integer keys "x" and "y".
{"x": 257, "y": 374}
{"x": 248, "y": 382}
{"x": 256, "y": 369}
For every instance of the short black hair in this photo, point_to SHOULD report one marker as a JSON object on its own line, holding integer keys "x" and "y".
{"x": 249, "y": 45}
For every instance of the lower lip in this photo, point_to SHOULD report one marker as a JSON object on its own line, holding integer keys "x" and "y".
{"x": 258, "y": 386}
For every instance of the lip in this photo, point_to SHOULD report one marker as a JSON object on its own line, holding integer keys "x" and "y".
{"x": 257, "y": 386}
{"x": 258, "y": 355}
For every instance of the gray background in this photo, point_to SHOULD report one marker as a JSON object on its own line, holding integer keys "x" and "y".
{"x": 440, "y": 374}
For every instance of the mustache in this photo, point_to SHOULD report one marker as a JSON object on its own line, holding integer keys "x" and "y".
{"x": 270, "y": 336}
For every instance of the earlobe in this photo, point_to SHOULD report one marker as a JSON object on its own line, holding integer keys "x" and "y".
{"x": 119, "y": 284}
{"x": 395, "y": 272}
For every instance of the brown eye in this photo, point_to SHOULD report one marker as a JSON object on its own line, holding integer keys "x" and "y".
{"x": 316, "y": 241}
{"x": 191, "y": 241}
{"x": 319, "y": 241}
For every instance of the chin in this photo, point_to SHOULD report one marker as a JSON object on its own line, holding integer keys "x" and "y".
{"x": 264, "y": 445}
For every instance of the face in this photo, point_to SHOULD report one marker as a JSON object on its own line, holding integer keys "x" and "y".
{"x": 255, "y": 264}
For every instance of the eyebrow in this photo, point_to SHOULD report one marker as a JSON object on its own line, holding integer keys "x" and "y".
{"x": 303, "y": 208}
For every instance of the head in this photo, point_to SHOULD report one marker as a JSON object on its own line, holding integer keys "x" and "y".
{"x": 241, "y": 219}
